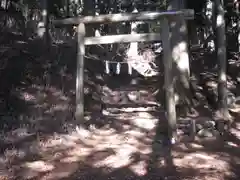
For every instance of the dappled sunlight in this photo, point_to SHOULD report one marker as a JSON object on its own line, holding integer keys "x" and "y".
{"x": 236, "y": 132}
{"x": 76, "y": 152}
{"x": 81, "y": 151}
{"x": 28, "y": 97}
{"x": 62, "y": 155}
{"x": 238, "y": 126}
{"x": 208, "y": 165}
{"x": 145, "y": 121}
{"x": 220, "y": 20}
{"x": 139, "y": 168}
{"x": 98, "y": 148}
{"x": 231, "y": 144}
{"x": 180, "y": 56}
{"x": 38, "y": 166}
{"x": 114, "y": 161}
{"x": 202, "y": 161}
{"x": 106, "y": 149}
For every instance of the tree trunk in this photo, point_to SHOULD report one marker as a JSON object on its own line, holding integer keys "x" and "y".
{"x": 222, "y": 59}
{"x": 67, "y": 10}
{"x": 43, "y": 26}
{"x": 180, "y": 55}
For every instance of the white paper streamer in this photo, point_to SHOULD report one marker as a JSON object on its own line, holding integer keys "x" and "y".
{"x": 129, "y": 69}
{"x": 118, "y": 68}
{"x": 107, "y": 70}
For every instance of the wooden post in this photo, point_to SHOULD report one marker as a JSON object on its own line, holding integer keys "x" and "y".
{"x": 80, "y": 73}
{"x": 222, "y": 60}
{"x": 168, "y": 78}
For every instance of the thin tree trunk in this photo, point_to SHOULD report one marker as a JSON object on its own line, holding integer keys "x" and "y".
{"x": 222, "y": 59}
{"x": 67, "y": 10}
{"x": 168, "y": 81}
{"x": 43, "y": 26}
{"x": 180, "y": 54}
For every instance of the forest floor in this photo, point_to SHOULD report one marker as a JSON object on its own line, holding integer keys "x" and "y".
{"x": 41, "y": 140}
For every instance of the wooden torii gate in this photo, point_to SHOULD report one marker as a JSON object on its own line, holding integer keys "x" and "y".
{"x": 164, "y": 36}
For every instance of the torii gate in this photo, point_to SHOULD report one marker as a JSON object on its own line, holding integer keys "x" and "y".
{"x": 164, "y": 36}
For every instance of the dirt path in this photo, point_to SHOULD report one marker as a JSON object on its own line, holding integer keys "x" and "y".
{"x": 126, "y": 148}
